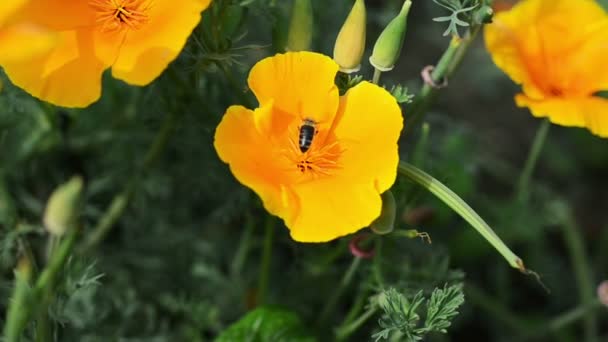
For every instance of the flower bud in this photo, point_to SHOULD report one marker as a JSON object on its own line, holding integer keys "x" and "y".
{"x": 388, "y": 46}
{"x": 62, "y": 207}
{"x": 350, "y": 43}
{"x": 385, "y": 223}
{"x": 299, "y": 37}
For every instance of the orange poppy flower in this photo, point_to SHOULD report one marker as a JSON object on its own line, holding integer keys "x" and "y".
{"x": 136, "y": 38}
{"x": 31, "y": 39}
{"x": 317, "y": 160}
{"x": 557, "y": 50}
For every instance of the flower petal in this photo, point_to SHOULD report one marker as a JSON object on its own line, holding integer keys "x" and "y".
{"x": 253, "y": 160}
{"x": 369, "y": 123}
{"x": 24, "y": 40}
{"x": 299, "y": 83}
{"x": 68, "y": 75}
{"x": 146, "y": 52}
{"x": 8, "y": 9}
{"x": 590, "y": 112}
{"x": 331, "y": 208}
{"x": 58, "y": 15}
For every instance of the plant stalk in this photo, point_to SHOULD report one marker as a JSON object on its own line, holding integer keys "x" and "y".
{"x": 119, "y": 203}
{"x": 523, "y": 185}
{"x": 266, "y": 259}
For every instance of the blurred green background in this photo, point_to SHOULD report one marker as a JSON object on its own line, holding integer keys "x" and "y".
{"x": 182, "y": 262}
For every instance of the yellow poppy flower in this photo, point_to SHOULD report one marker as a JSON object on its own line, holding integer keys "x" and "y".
{"x": 317, "y": 160}
{"x": 31, "y": 38}
{"x": 557, "y": 50}
{"x": 136, "y": 38}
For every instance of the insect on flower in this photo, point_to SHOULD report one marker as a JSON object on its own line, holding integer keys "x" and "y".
{"x": 317, "y": 160}
{"x": 308, "y": 130}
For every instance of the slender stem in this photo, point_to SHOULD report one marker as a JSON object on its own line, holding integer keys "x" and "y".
{"x": 523, "y": 185}
{"x": 335, "y": 296}
{"x": 447, "y": 65}
{"x": 18, "y": 311}
{"x": 377, "y": 74}
{"x": 345, "y": 331}
{"x": 584, "y": 279}
{"x": 244, "y": 246}
{"x": 564, "y": 320}
{"x": 377, "y": 268}
{"x": 120, "y": 201}
{"x": 32, "y": 300}
{"x": 266, "y": 258}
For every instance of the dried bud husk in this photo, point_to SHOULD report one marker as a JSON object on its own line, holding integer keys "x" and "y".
{"x": 388, "y": 46}
{"x": 62, "y": 208}
{"x": 385, "y": 223}
{"x": 299, "y": 37}
{"x": 350, "y": 43}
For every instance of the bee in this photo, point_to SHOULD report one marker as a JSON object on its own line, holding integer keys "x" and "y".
{"x": 308, "y": 130}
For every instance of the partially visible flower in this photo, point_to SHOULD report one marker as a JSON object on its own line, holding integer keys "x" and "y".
{"x": 20, "y": 38}
{"x": 556, "y": 49}
{"x": 350, "y": 43}
{"x": 136, "y": 38}
{"x": 317, "y": 160}
{"x": 299, "y": 37}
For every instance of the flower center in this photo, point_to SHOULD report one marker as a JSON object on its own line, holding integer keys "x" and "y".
{"x": 319, "y": 158}
{"x": 115, "y": 15}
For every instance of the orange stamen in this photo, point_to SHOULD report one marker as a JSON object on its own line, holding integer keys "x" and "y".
{"x": 113, "y": 15}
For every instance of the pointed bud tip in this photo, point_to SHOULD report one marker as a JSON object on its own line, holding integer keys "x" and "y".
{"x": 62, "y": 206}
{"x": 350, "y": 43}
{"x": 388, "y": 46}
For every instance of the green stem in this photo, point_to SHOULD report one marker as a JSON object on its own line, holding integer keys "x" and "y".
{"x": 564, "y": 320}
{"x": 35, "y": 300}
{"x": 584, "y": 278}
{"x": 265, "y": 263}
{"x": 377, "y": 268}
{"x": 18, "y": 311}
{"x": 120, "y": 201}
{"x": 345, "y": 331}
{"x": 376, "y": 77}
{"x": 447, "y": 65}
{"x": 244, "y": 245}
{"x": 523, "y": 185}
{"x": 335, "y": 296}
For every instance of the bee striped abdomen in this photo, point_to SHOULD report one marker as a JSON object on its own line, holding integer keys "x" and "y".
{"x": 307, "y": 133}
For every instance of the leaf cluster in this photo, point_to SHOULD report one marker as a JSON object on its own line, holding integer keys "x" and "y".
{"x": 458, "y": 8}
{"x": 402, "y": 316}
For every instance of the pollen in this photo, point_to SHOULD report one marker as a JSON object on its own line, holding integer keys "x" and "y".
{"x": 116, "y": 15}
{"x": 320, "y": 160}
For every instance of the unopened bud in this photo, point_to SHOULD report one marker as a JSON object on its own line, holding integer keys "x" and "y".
{"x": 385, "y": 223}
{"x": 350, "y": 43}
{"x": 299, "y": 37}
{"x": 388, "y": 46}
{"x": 62, "y": 208}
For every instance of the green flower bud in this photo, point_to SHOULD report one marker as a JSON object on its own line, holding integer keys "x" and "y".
{"x": 350, "y": 43}
{"x": 299, "y": 37}
{"x": 385, "y": 223}
{"x": 388, "y": 46}
{"x": 62, "y": 208}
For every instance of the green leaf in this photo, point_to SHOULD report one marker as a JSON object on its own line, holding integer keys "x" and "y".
{"x": 266, "y": 324}
{"x": 462, "y": 208}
